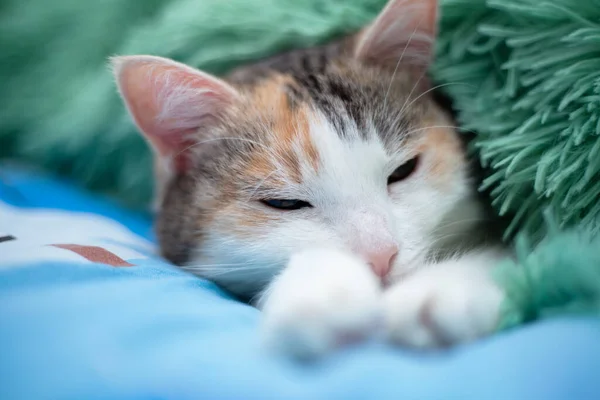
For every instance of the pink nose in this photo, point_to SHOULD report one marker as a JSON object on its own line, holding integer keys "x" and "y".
{"x": 381, "y": 260}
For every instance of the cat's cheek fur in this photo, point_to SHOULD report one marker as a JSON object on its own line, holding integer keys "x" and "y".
{"x": 451, "y": 302}
{"x": 427, "y": 217}
{"x": 323, "y": 299}
{"x": 244, "y": 258}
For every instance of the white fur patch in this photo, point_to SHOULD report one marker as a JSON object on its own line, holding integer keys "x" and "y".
{"x": 322, "y": 299}
{"x": 451, "y": 302}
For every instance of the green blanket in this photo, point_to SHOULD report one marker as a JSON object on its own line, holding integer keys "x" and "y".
{"x": 524, "y": 76}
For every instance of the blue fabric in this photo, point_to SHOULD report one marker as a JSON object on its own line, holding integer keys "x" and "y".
{"x": 74, "y": 331}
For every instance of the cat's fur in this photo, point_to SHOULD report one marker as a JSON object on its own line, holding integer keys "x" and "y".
{"x": 325, "y": 125}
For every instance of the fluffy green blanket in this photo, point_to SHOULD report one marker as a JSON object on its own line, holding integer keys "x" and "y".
{"x": 524, "y": 75}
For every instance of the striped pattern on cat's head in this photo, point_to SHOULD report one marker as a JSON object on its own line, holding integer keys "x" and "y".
{"x": 348, "y": 130}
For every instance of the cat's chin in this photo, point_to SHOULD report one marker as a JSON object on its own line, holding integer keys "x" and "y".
{"x": 238, "y": 277}
{"x": 247, "y": 292}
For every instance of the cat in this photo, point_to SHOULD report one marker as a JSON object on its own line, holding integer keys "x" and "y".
{"x": 327, "y": 185}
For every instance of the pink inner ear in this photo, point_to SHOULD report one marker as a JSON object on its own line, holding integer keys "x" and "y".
{"x": 170, "y": 102}
{"x": 404, "y": 29}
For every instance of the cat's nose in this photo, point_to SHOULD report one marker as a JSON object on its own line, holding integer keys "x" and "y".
{"x": 382, "y": 259}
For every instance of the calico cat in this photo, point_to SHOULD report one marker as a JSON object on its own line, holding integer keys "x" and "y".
{"x": 327, "y": 185}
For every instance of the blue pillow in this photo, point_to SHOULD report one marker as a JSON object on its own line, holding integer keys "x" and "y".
{"x": 75, "y": 325}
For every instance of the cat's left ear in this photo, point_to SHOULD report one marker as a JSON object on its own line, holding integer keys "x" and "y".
{"x": 172, "y": 104}
{"x": 405, "y": 30}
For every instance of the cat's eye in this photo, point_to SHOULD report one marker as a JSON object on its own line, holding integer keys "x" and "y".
{"x": 285, "y": 204}
{"x": 403, "y": 171}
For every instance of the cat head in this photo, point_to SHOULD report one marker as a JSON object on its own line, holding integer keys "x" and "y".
{"x": 340, "y": 146}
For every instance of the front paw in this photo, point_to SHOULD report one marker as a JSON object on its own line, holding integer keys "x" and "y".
{"x": 324, "y": 299}
{"x": 441, "y": 308}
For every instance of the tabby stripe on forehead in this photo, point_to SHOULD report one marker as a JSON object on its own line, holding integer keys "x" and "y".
{"x": 294, "y": 95}
{"x": 313, "y": 84}
{"x": 339, "y": 89}
{"x": 352, "y": 102}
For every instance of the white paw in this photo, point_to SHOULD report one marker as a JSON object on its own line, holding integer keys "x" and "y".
{"x": 322, "y": 300}
{"x": 439, "y": 308}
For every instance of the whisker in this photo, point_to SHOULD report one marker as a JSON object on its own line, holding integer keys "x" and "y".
{"x": 251, "y": 195}
{"x": 401, "y": 112}
{"x": 398, "y": 65}
{"x": 211, "y": 265}
{"x": 221, "y": 138}
{"x": 217, "y": 272}
{"x": 433, "y": 127}
{"x": 462, "y": 221}
{"x": 432, "y": 89}
{"x": 269, "y": 151}
{"x": 439, "y": 239}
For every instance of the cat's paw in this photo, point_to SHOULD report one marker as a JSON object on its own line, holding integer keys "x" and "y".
{"x": 439, "y": 308}
{"x": 324, "y": 299}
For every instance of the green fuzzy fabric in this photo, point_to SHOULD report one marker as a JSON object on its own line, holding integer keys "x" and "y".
{"x": 58, "y": 104}
{"x": 561, "y": 276}
{"x": 524, "y": 76}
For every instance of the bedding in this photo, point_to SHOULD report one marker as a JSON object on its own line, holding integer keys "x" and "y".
{"x": 89, "y": 311}
{"x": 522, "y": 76}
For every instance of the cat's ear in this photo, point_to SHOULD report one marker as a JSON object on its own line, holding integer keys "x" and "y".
{"x": 170, "y": 102}
{"x": 405, "y": 30}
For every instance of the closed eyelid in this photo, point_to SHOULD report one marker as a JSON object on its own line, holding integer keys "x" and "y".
{"x": 402, "y": 156}
{"x": 268, "y": 191}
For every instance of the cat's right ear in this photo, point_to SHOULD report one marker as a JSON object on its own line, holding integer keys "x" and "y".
{"x": 404, "y": 31}
{"x": 170, "y": 103}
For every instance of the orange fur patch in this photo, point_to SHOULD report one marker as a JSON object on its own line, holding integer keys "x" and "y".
{"x": 443, "y": 147}
{"x": 288, "y": 148}
{"x": 250, "y": 219}
{"x": 289, "y": 126}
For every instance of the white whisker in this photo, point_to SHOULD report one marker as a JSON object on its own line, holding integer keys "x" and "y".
{"x": 398, "y": 65}
{"x": 251, "y": 195}
{"x": 432, "y": 89}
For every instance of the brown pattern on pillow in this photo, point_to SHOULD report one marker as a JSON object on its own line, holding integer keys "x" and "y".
{"x": 95, "y": 254}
